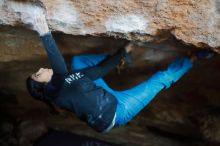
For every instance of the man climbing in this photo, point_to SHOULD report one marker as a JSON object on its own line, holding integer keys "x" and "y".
{"x": 83, "y": 91}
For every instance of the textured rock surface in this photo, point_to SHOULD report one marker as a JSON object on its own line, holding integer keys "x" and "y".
{"x": 192, "y": 21}
{"x": 187, "y": 114}
{"x": 184, "y": 115}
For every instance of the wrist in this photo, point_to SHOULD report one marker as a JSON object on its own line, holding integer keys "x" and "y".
{"x": 43, "y": 31}
{"x": 41, "y": 26}
{"x": 43, "y": 34}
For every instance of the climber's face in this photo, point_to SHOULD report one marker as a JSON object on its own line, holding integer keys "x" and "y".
{"x": 43, "y": 75}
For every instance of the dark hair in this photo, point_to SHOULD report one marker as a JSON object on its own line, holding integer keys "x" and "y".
{"x": 36, "y": 89}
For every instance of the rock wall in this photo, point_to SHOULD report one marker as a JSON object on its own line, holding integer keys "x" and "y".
{"x": 194, "y": 22}
{"x": 186, "y": 114}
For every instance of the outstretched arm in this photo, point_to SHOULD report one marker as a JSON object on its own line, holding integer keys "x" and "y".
{"x": 102, "y": 69}
{"x": 55, "y": 58}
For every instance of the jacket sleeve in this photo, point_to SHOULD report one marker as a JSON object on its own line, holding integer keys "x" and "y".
{"x": 102, "y": 69}
{"x": 55, "y": 58}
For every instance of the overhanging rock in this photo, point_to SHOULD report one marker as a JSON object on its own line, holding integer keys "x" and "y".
{"x": 191, "y": 21}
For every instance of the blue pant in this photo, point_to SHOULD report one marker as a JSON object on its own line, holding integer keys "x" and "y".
{"x": 132, "y": 101}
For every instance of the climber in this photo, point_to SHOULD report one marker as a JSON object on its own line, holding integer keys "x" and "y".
{"x": 83, "y": 91}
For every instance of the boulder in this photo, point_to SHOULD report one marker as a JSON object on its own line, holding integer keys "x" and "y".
{"x": 191, "y": 21}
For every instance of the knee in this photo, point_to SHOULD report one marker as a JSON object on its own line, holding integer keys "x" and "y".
{"x": 76, "y": 59}
{"x": 77, "y": 62}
